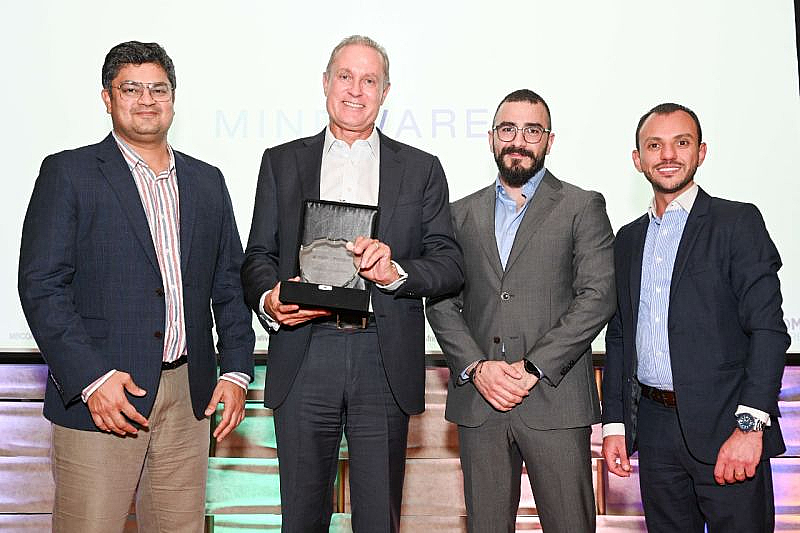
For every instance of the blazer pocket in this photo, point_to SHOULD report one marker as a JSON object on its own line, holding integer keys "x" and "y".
{"x": 97, "y": 328}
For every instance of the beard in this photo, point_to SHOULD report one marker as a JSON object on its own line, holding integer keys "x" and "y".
{"x": 516, "y": 175}
{"x": 661, "y": 189}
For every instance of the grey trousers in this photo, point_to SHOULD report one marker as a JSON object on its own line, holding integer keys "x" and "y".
{"x": 559, "y": 469}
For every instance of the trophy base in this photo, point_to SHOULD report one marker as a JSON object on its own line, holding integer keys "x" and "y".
{"x": 324, "y": 296}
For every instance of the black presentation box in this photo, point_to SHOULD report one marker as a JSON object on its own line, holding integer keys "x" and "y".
{"x": 330, "y": 279}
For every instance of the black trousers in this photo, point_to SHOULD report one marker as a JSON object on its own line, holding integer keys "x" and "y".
{"x": 679, "y": 492}
{"x": 341, "y": 386}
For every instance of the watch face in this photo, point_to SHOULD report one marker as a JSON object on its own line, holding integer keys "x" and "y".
{"x": 745, "y": 421}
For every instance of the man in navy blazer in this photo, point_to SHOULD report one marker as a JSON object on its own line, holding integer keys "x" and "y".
{"x": 695, "y": 353}
{"x": 362, "y": 374}
{"x": 126, "y": 247}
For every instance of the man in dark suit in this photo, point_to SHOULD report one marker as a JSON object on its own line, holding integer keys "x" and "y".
{"x": 328, "y": 372}
{"x": 126, "y": 246}
{"x": 696, "y": 351}
{"x": 539, "y": 286}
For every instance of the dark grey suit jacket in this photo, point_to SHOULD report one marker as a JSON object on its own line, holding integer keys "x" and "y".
{"x": 727, "y": 337}
{"x": 91, "y": 288}
{"x": 414, "y": 221}
{"x": 559, "y": 284}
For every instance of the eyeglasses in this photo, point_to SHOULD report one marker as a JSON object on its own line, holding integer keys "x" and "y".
{"x": 508, "y": 132}
{"x": 133, "y": 90}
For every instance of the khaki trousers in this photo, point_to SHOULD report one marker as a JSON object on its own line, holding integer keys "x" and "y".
{"x": 97, "y": 475}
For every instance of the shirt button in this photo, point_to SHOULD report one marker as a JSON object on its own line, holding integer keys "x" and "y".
{"x": 504, "y": 295}
{"x": 658, "y": 290}
{"x": 658, "y": 259}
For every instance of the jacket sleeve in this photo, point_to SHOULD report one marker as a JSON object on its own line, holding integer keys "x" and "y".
{"x": 47, "y": 265}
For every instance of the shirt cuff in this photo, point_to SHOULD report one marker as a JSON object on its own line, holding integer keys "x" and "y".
{"x": 88, "y": 391}
{"x": 757, "y": 414}
{"x": 271, "y": 322}
{"x": 614, "y": 428}
{"x": 463, "y": 377}
{"x": 239, "y": 378}
{"x": 393, "y": 286}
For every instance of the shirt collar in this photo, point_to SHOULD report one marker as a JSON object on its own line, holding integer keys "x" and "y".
{"x": 528, "y": 188}
{"x": 373, "y": 141}
{"x": 685, "y": 201}
{"x": 134, "y": 159}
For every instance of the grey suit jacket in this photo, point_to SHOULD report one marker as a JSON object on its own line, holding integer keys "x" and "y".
{"x": 555, "y": 295}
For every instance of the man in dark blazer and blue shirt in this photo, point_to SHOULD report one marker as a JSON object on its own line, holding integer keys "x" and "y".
{"x": 696, "y": 351}
{"x": 362, "y": 374}
{"x": 127, "y": 246}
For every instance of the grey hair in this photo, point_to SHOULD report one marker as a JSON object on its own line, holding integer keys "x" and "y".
{"x": 362, "y": 40}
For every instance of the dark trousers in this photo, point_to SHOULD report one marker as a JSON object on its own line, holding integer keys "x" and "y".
{"x": 679, "y": 493}
{"x": 341, "y": 386}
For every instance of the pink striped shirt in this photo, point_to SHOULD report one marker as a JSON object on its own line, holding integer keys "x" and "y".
{"x": 159, "y": 196}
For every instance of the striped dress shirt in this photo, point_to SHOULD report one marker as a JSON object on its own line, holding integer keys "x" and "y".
{"x": 159, "y": 196}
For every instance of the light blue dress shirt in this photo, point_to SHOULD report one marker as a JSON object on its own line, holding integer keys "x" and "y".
{"x": 506, "y": 217}
{"x": 660, "y": 248}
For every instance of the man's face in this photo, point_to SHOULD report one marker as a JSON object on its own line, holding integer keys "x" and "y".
{"x": 354, "y": 91}
{"x": 518, "y": 160}
{"x": 139, "y": 120}
{"x": 669, "y": 152}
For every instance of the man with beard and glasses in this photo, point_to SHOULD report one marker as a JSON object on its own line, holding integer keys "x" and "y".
{"x": 539, "y": 286}
{"x": 696, "y": 350}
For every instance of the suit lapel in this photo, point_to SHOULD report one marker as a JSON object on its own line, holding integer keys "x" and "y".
{"x": 391, "y": 177}
{"x": 483, "y": 218}
{"x": 309, "y": 164}
{"x": 638, "y": 235}
{"x": 187, "y": 206}
{"x": 113, "y": 166}
{"x": 546, "y": 197}
{"x": 694, "y": 224}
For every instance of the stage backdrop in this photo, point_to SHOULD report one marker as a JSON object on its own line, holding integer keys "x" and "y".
{"x": 250, "y": 76}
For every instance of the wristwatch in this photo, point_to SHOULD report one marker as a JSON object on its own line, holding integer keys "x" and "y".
{"x": 530, "y": 368}
{"x": 747, "y": 423}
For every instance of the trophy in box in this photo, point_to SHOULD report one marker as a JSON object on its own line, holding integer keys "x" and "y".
{"x": 328, "y": 271}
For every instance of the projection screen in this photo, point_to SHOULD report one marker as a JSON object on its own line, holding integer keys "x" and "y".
{"x": 250, "y": 76}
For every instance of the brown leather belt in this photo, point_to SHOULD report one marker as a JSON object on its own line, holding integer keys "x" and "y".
{"x": 664, "y": 397}
{"x": 174, "y": 364}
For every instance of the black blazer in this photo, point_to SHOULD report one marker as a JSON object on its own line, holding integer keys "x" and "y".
{"x": 91, "y": 288}
{"x": 727, "y": 337}
{"x": 414, "y": 221}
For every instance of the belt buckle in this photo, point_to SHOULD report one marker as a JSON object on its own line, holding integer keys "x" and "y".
{"x": 350, "y": 325}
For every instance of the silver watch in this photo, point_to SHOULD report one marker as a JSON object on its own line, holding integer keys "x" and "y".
{"x": 747, "y": 423}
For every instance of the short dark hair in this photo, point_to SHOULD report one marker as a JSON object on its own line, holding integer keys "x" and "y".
{"x": 666, "y": 109}
{"x": 524, "y": 95}
{"x": 135, "y": 53}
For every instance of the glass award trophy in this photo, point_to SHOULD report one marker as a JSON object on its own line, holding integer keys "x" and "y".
{"x": 328, "y": 271}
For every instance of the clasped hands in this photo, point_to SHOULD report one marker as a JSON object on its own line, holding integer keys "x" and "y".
{"x": 373, "y": 259}
{"x": 112, "y": 412}
{"x": 504, "y": 385}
